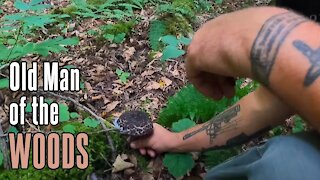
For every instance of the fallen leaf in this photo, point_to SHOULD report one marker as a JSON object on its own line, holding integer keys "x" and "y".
{"x": 152, "y": 85}
{"x": 120, "y": 165}
{"x": 167, "y": 81}
{"x": 128, "y": 53}
{"x": 112, "y": 105}
{"x": 147, "y": 73}
{"x": 95, "y": 98}
{"x": 162, "y": 84}
{"x": 88, "y": 86}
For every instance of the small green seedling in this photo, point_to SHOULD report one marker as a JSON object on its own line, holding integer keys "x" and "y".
{"x": 123, "y": 76}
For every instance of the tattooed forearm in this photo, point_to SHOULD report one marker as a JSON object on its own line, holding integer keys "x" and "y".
{"x": 268, "y": 42}
{"x": 314, "y": 58}
{"x": 241, "y": 139}
{"x": 218, "y": 124}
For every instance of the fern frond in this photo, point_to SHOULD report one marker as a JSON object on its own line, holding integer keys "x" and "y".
{"x": 156, "y": 31}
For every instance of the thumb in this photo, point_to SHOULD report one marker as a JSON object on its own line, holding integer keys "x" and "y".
{"x": 140, "y": 143}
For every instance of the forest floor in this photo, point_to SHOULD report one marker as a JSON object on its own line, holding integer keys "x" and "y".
{"x": 149, "y": 84}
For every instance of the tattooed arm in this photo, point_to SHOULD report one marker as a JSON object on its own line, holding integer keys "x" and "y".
{"x": 251, "y": 116}
{"x": 274, "y": 46}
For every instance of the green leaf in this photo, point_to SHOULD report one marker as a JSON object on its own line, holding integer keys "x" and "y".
{"x": 119, "y": 72}
{"x": 182, "y": 125}
{"x": 21, "y": 5}
{"x": 119, "y": 38}
{"x": 109, "y": 37}
{"x": 69, "y": 128}
{"x": 49, "y": 101}
{"x": 219, "y": 1}
{"x": 170, "y": 40}
{"x": 171, "y": 52}
{"x": 4, "y": 83}
{"x": 184, "y": 40}
{"x": 299, "y": 125}
{"x": 81, "y": 85}
{"x": 156, "y": 31}
{"x": 35, "y": 2}
{"x": 69, "y": 67}
{"x": 90, "y": 122}
{"x": 64, "y": 114}
{"x": 124, "y": 76}
{"x": 11, "y": 41}
{"x": 92, "y": 32}
{"x": 74, "y": 115}
{"x": 13, "y": 129}
{"x": 54, "y": 45}
{"x": 1, "y": 158}
{"x": 178, "y": 164}
{"x": 28, "y": 108}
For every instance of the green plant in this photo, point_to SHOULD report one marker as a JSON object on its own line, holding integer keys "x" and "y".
{"x": 111, "y": 9}
{"x": 117, "y": 32}
{"x": 156, "y": 31}
{"x": 190, "y": 103}
{"x": 186, "y": 8}
{"x": 179, "y": 164}
{"x": 299, "y": 125}
{"x": 4, "y": 83}
{"x": 123, "y": 76}
{"x": 173, "y": 47}
{"x": 17, "y": 29}
{"x": 215, "y": 157}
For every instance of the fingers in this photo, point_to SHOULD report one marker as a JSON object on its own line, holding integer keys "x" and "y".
{"x": 151, "y": 153}
{"x": 227, "y": 85}
{"x": 138, "y": 144}
{"x": 143, "y": 151}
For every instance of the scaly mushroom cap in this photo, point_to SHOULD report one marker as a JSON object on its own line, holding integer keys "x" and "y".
{"x": 134, "y": 123}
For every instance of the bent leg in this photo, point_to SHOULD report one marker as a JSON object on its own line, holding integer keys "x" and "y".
{"x": 293, "y": 157}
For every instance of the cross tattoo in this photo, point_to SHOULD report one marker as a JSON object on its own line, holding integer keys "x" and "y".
{"x": 314, "y": 58}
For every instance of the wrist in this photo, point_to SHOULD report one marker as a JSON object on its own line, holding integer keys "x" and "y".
{"x": 175, "y": 142}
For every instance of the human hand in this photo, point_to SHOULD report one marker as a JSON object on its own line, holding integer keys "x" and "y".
{"x": 220, "y": 50}
{"x": 162, "y": 140}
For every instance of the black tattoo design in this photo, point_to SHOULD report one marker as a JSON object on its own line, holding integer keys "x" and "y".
{"x": 218, "y": 124}
{"x": 268, "y": 42}
{"x": 314, "y": 57}
{"x": 240, "y": 139}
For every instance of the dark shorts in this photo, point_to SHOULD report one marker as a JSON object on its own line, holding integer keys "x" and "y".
{"x": 295, "y": 157}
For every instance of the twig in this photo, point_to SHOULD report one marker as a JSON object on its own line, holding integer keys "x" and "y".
{"x": 32, "y": 126}
{"x": 104, "y": 127}
{"x": 15, "y": 43}
{"x": 4, "y": 66}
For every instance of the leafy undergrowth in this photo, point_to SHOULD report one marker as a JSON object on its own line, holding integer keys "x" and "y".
{"x": 190, "y": 103}
{"x": 130, "y": 57}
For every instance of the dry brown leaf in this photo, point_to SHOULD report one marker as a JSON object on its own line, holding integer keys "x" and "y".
{"x": 147, "y": 176}
{"x": 120, "y": 165}
{"x": 147, "y": 73}
{"x": 152, "y": 85}
{"x": 167, "y": 81}
{"x": 88, "y": 86}
{"x": 112, "y": 105}
{"x": 95, "y": 98}
{"x": 128, "y": 53}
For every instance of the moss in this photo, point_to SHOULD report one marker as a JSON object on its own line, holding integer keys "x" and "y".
{"x": 177, "y": 25}
{"x": 70, "y": 10}
{"x": 120, "y": 27}
{"x": 96, "y": 2}
{"x": 187, "y": 7}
